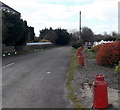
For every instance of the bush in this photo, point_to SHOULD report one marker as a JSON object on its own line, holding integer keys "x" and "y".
{"x": 118, "y": 39}
{"x": 117, "y": 69}
{"x": 110, "y": 38}
{"x": 76, "y": 45}
{"x": 96, "y": 48}
{"x": 108, "y": 54}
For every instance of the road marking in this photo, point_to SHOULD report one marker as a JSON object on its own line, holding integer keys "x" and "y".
{"x": 48, "y": 72}
{"x": 8, "y": 65}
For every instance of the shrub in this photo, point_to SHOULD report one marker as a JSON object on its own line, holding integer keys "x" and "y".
{"x": 118, "y": 39}
{"x": 109, "y": 38}
{"x": 76, "y": 45}
{"x": 117, "y": 69}
{"x": 96, "y": 48}
{"x": 108, "y": 54}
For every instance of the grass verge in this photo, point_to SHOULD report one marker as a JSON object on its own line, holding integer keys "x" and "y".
{"x": 89, "y": 54}
{"x": 69, "y": 83}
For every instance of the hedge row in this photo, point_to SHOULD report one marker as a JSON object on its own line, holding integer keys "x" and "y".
{"x": 108, "y": 54}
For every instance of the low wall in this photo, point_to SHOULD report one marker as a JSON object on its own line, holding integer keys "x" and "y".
{"x": 6, "y": 49}
{"x": 11, "y": 49}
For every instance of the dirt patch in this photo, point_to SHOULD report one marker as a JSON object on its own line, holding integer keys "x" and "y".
{"x": 85, "y": 75}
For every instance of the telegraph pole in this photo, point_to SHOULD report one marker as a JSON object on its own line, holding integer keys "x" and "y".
{"x": 80, "y": 25}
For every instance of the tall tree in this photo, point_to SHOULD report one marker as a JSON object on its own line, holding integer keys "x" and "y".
{"x": 15, "y": 30}
{"x": 87, "y": 34}
{"x": 31, "y": 34}
{"x": 63, "y": 37}
{"x": 24, "y": 38}
{"x": 51, "y": 36}
{"x": 43, "y": 32}
{"x": 57, "y": 36}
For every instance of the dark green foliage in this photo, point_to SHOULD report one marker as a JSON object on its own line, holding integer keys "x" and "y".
{"x": 31, "y": 34}
{"x": 118, "y": 39}
{"x": 24, "y": 37}
{"x": 110, "y": 38}
{"x": 12, "y": 28}
{"x": 15, "y": 30}
{"x": 63, "y": 37}
{"x": 57, "y": 36}
{"x": 76, "y": 45}
{"x": 107, "y": 37}
{"x": 43, "y": 32}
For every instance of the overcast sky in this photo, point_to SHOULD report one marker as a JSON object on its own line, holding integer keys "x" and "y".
{"x": 99, "y": 15}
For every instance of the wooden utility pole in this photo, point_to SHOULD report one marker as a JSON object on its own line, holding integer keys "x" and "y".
{"x": 80, "y": 25}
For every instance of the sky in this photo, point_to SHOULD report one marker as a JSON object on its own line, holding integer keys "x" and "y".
{"x": 99, "y": 15}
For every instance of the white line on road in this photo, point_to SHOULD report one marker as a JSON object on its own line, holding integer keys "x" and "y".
{"x": 48, "y": 72}
{"x": 8, "y": 65}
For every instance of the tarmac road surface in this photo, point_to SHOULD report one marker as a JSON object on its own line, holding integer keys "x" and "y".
{"x": 36, "y": 80}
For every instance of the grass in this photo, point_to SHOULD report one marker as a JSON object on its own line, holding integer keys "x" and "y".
{"x": 69, "y": 83}
{"x": 89, "y": 54}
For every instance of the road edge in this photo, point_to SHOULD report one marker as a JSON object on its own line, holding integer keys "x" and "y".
{"x": 72, "y": 68}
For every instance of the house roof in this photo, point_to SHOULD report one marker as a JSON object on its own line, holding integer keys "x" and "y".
{"x": 3, "y": 5}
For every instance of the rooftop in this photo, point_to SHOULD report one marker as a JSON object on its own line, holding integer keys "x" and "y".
{"x": 8, "y": 8}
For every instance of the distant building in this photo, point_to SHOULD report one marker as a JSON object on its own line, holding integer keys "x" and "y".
{"x": 5, "y": 7}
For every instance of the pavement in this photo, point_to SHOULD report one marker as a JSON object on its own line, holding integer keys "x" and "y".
{"x": 36, "y": 80}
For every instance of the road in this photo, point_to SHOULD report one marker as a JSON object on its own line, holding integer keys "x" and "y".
{"x": 36, "y": 80}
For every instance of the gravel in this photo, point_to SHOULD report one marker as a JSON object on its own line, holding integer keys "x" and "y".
{"x": 86, "y": 74}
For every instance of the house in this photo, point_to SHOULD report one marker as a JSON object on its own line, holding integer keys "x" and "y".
{"x": 7, "y": 8}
